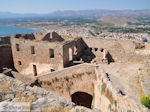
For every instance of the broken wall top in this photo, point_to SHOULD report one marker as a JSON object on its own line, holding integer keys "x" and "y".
{"x": 49, "y": 37}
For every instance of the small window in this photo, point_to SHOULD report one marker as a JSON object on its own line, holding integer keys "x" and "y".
{"x": 17, "y": 47}
{"x": 52, "y": 70}
{"x": 19, "y": 63}
{"x": 34, "y": 70}
{"x": 96, "y": 49}
{"x": 51, "y": 53}
{"x": 101, "y": 49}
{"x": 32, "y": 50}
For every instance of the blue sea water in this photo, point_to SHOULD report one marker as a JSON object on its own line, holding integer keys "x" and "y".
{"x": 12, "y": 30}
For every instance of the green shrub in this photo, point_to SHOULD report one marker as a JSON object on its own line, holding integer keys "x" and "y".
{"x": 128, "y": 110}
{"x": 109, "y": 107}
{"x": 145, "y": 100}
{"x": 68, "y": 89}
{"x": 103, "y": 89}
{"x": 93, "y": 96}
{"x": 115, "y": 103}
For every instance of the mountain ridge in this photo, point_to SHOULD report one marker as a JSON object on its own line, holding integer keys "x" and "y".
{"x": 80, "y": 13}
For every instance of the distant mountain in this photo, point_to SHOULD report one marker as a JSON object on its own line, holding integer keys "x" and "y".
{"x": 118, "y": 20}
{"x": 101, "y": 13}
{"x": 81, "y": 13}
{"x": 17, "y": 15}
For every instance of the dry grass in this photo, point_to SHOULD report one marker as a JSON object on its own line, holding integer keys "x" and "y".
{"x": 25, "y": 98}
{"x": 4, "y": 88}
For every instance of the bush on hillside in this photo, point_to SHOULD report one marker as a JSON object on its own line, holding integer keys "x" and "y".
{"x": 145, "y": 100}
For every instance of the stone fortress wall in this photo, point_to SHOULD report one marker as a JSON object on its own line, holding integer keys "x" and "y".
{"x": 38, "y": 98}
{"x": 70, "y": 80}
{"x": 93, "y": 81}
{"x": 50, "y": 60}
{"x": 24, "y": 59}
{"x": 120, "y": 50}
{"x": 38, "y": 54}
{"x": 34, "y": 57}
{"x": 6, "y": 59}
{"x": 109, "y": 99}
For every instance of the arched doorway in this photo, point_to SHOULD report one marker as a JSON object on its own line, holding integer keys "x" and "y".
{"x": 82, "y": 99}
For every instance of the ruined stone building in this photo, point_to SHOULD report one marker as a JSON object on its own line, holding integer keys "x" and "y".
{"x": 37, "y": 54}
{"x": 94, "y": 72}
{"x": 6, "y": 59}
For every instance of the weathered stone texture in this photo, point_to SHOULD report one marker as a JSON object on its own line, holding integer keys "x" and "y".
{"x": 111, "y": 99}
{"x": 6, "y": 59}
{"x": 40, "y": 100}
{"x": 41, "y": 58}
{"x": 70, "y": 80}
{"x": 120, "y": 50}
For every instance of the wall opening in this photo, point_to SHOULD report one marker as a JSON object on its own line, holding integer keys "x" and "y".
{"x": 34, "y": 70}
{"x": 90, "y": 49}
{"x": 96, "y": 49}
{"x": 70, "y": 54}
{"x": 32, "y": 50}
{"x": 51, "y": 53}
{"x": 75, "y": 50}
{"x": 110, "y": 58}
{"x": 82, "y": 99}
{"x": 19, "y": 63}
{"x": 101, "y": 49}
{"x": 52, "y": 70}
{"x": 17, "y": 47}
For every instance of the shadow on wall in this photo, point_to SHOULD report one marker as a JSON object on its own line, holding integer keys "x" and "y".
{"x": 53, "y": 37}
{"x": 25, "y": 36}
{"x": 82, "y": 99}
{"x": 110, "y": 58}
{"x": 78, "y": 52}
{"x": 6, "y": 58}
{"x": 87, "y": 55}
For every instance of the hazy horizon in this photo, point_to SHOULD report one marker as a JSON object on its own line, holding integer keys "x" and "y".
{"x": 72, "y": 10}
{"x": 49, "y": 6}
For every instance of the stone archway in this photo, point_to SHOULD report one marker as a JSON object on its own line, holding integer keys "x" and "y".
{"x": 82, "y": 99}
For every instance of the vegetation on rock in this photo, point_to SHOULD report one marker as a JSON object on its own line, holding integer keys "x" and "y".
{"x": 145, "y": 100}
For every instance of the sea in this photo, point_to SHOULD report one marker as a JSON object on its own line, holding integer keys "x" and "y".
{"x": 12, "y": 30}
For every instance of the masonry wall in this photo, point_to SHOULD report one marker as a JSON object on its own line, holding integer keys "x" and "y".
{"x": 4, "y": 40}
{"x": 37, "y": 99}
{"x": 110, "y": 100}
{"x": 94, "y": 81}
{"x": 73, "y": 49}
{"x": 78, "y": 78}
{"x": 41, "y": 59}
{"x": 111, "y": 44}
{"x": 6, "y": 59}
{"x": 120, "y": 50}
{"x": 129, "y": 57}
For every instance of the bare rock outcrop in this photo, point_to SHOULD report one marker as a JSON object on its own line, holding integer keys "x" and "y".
{"x": 13, "y": 91}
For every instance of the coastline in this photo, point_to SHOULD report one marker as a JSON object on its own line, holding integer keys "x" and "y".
{"x": 8, "y": 30}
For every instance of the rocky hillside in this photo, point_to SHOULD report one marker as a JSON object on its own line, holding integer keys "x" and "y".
{"x": 118, "y": 20}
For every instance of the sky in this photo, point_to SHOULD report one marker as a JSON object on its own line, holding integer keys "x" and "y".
{"x": 47, "y": 6}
